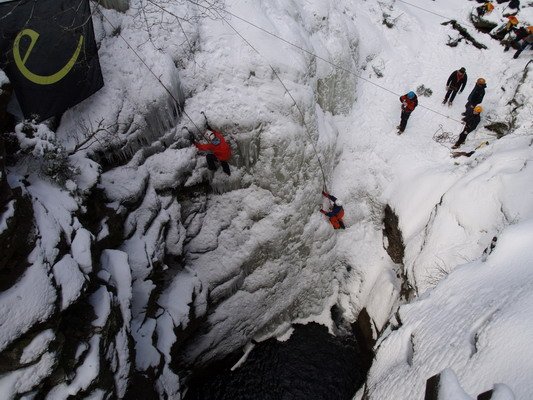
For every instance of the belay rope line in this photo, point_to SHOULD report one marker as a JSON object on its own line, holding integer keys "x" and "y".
{"x": 187, "y": 115}
{"x": 275, "y": 74}
{"x": 289, "y": 93}
{"x": 317, "y": 56}
{"x": 152, "y": 72}
{"x": 440, "y": 138}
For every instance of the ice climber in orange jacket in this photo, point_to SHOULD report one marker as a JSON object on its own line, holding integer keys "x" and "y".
{"x": 336, "y": 213}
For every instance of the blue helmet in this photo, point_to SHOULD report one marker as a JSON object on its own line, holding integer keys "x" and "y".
{"x": 411, "y": 95}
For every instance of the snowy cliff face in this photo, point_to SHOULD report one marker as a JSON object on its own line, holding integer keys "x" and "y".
{"x": 160, "y": 258}
{"x": 217, "y": 260}
{"x": 130, "y": 262}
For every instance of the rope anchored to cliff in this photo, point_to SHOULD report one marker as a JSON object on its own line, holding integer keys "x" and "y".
{"x": 152, "y": 72}
{"x": 290, "y": 95}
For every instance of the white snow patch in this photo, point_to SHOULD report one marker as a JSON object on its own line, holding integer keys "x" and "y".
{"x": 37, "y": 346}
{"x": 27, "y": 302}
{"x": 116, "y": 263}
{"x": 6, "y": 215}
{"x": 81, "y": 250}
{"x": 25, "y": 379}
{"x": 84, "y": 375}
{"x": 70, "y": 279}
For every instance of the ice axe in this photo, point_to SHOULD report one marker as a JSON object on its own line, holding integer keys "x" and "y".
{"x": 206, "y": 121}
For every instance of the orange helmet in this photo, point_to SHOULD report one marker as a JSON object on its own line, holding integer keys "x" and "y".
{"x": 530, "y": 29}
{"x": 513, "y": 20}
{"x": 478, "y": 109}
{"x": 481, "y": 81}
{"x": 489, "y": 6}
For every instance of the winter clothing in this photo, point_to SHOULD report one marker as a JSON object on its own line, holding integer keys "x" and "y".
{"x": 501, "y": 31}
{"x": 520, "y": 34}
{"x": 456, "y": 83}
{"x": 336, "y": 213}
{"x": 408, "y": 106}
{"x": 475, "y": 97}
{"x": 219, "y": 150}
{"x": 471, "y": 123}
{"x": 514, "y": 4}
{"x": 222, "y": 151}
{"x": 485, "y": 9}
{"x": 528, "y": 41}
{"x": 212, "y": 163}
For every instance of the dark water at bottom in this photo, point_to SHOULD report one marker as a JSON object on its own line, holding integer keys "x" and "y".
{"x": 311, "y": 365}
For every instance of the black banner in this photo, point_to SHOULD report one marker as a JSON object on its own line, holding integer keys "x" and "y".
{"x": 48, "y": 52}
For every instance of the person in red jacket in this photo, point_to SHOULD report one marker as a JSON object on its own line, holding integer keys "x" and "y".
{"x": 217, "y": 150}
{"x": 336, "y": 213}
{"x": 409, "y": 102}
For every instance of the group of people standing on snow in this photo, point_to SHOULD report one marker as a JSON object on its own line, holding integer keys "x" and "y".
{"x": 512, "y": 35}
{"x": 456, "y": 83}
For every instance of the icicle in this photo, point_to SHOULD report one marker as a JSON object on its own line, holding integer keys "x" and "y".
{"x": 159, "y": 119}
{"x": 248, "y": 146}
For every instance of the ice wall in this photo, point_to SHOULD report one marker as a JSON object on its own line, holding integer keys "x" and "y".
{"x": 218, "y": 260}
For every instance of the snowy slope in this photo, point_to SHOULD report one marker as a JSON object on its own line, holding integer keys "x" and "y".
{"x": 449, "y": 209}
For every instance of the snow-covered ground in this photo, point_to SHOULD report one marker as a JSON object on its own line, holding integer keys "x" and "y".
{"x": 183, "y": 264}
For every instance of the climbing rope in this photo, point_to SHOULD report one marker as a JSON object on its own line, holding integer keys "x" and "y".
{"x": 321, "y": 58}
{"x": 151, "y": 71}
{"x": 442, "y": 137}
{"x": 437, "y": 14}
{"x": 290, "y": 95}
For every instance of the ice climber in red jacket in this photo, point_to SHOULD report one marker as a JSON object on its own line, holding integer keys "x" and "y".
{"x": 217, "y": 150}
{"x": 409, "y": 102}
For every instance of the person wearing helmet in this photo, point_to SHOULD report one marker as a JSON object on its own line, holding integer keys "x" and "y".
{"x": 409, "y": 102}
{"x": 527, "y": 41}
{"x": 501, "y": 31}
{"x": 217, "y": 150}
{"x": 456, "y": 83}
{"x": 476, "y": 96}
{"x": 485, "y": 9}
{"x": 471, "y": 122}
{"x": 336, "y": 212}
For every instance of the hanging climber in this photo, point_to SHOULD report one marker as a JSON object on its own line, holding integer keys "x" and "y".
{"x": 485, "y": 9}
{"x": 456, "y": 83}
{"x": 471, "y": 122}
{"x": 217, "y": 150}
{"x": 336, "y": 212}
{"x": 409, "y": 102}
{"x": 527, "y": 41}
{"x": 476, "y": 96}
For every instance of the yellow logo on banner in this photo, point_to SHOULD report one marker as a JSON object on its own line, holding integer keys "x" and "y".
{"x": 41, "y": 79}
